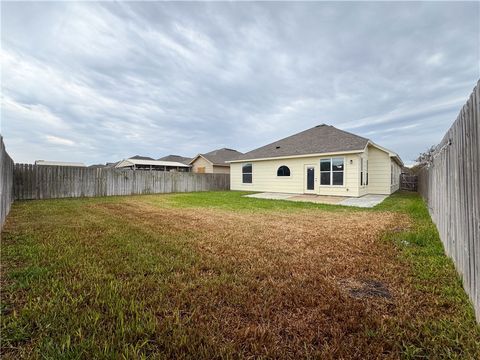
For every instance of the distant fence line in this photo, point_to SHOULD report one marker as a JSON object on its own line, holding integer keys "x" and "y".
{"x": 450, "y": 185}
{"x": 6, "y": 182}
{"x": 48, "y": 182}
{"x": 408, "y": 182}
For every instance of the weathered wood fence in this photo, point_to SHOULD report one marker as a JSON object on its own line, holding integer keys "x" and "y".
{"x": 47, "y": 182}
{"x": 6, "y": 183}
{"x": 408, "y": 182}
{"x": 450, "y": 185}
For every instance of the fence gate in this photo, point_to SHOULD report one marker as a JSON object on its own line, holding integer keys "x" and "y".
{"x": 408, "y": 182}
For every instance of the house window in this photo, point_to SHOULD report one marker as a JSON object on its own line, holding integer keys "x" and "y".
{"x": 247, "y": 173}
{"x": 366, "y": 174}
{"x": 283, "y": 171}
{"x": 332, "y": 171}
{"x": 361, "y": 171}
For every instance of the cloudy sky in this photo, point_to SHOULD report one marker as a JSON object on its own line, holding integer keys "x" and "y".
{"x": 97, "y": 82}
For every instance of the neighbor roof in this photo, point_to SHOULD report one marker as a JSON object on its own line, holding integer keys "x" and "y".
{"x": 138, "y": 157}
{"x": 177, "y": 158}
{"x": 220, "y": 156}
{"x": 317, "y": 140}
{"x": 131, "y": 162}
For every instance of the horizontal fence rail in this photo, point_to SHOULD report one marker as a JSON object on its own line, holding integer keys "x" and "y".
{"x": 48, "y": 182}
{"x": 6, "y": 183}
{"x": 450, "y": 185}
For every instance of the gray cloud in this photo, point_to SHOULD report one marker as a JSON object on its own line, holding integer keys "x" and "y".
{"x": 98, "y": 82}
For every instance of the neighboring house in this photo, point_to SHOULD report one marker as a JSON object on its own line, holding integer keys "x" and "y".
{"x": 176, "y": 158}
{"x": 322, "y": 160}
{"x": 214, "y": 162}
{"x": 59, "y": 163}
{"x": 152, "y": 165}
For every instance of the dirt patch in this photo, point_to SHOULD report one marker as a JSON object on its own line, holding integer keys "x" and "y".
{"x": 369, "y": 288}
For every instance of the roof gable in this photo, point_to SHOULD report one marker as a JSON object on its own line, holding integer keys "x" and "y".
{"x": 219, "y": 156}
{"x": 317, "y": 140}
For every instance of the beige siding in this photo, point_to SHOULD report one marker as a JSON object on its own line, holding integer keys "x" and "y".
{"x": 200, "y": 162}
{"x": 221, "y": 169}
{"x": 265, "y": 176}
{"x": 379, "y": 171}
{"x": 395, "y": 181}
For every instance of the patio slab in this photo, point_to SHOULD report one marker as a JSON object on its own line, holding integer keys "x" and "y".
{"x": 366, "y": 201}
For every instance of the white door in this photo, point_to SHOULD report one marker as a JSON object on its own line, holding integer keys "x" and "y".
{"x": 310, "y": 182}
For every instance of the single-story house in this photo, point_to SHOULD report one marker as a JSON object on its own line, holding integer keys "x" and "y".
{"x": 214, "y": 161}
{"x": 151, "y": 165}
{"x": 177, "y": 158}
{"x": 322, "y": 160}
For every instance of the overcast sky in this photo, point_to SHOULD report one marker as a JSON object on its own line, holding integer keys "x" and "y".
{"x": 97, "y": 82}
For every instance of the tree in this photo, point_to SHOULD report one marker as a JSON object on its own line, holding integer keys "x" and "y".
{"x": 426, "y": 156}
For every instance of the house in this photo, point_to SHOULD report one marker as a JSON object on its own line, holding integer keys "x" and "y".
{"x": 59, "y": 163}
{"x": 176, "y": 158}
{"x": 322, "y": 160}
{"x": 151, "y": 165}
{"x": 215, "y": 161}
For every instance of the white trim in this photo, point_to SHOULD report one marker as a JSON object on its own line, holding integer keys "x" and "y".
{"x": 244, "y": 183}
{"x": 305, "y": 179}
{"x": 299, "y": 156}
{"x": 284, "y": 176}
{"x": 331, "y": 172}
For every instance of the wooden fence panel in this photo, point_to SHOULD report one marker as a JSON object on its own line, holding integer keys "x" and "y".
{"x": 450, "y": 185}
{"x": 408, "y": 182}
{"x": 49, "y": 182}
{"x": 6, "y": 183}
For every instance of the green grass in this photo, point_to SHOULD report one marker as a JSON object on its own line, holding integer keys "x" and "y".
{"x": 434, "y": 275}
{"x": 104, "y": 278}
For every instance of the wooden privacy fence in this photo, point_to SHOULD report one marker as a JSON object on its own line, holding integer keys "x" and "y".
{"x": 408, "y": 182}
{"x": 6, "y": 183}
{"x": 46, "y": 182}
{"x": 450, "y": 186}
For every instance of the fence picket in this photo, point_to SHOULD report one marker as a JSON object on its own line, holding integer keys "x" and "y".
{"x": 450, "y": 185}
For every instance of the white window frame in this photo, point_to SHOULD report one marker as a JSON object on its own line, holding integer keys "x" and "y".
{"x": 251, "y": 174}
{"x": 362, "y": 180}
{"x": 366, "y": 173}
{"x": 283, "y": 176}
{"x": 363, "y": 172}
{"x": 332, "y": 171}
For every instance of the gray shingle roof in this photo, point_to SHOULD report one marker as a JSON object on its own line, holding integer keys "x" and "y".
{"x": 138, "y": 157}
{"x": 317, "y": 140}
{"x": 219, "y": 156}
{"x": 176, "y": 158}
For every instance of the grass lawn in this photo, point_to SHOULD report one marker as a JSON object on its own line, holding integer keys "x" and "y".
{"x": 215, "y": 275}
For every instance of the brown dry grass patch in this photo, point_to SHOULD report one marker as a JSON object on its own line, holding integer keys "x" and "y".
{"x": 274, "y": 284}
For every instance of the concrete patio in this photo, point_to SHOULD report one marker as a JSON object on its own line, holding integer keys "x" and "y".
{"x": 366, "y": 201}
